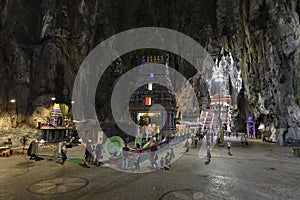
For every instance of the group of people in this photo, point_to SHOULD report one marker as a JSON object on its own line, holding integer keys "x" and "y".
{"x": 165, "y": 161}
{"x": 127, "y": 153}
{"x": 93, "y": 155}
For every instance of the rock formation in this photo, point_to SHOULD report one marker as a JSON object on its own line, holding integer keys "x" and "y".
{"x": 43, "y": 43}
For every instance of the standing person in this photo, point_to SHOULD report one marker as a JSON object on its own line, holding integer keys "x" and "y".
{"x": 243, "y": 141}
{"x": 153, "y": 155}
{"x": 162, "y": 163}
{"x": 229, "y": 147}
{"x": 167, "y": 161}
{"x": 98, "y": 152}
{"x": 137, "y": 155}
{"x": 32, "y": 150}
{"x": 88, "y": 155}
{"x": 9, "y": 144}
{"x": 207, "y": 139}
{"x": 125, "y": 155}
{"x": 193, "y": 139}
{"x": 63, "y": 152}
{"x": 187, "y": 146}
{"x": 196, "y": 142}
{"x": 208, "y": 155}
{"x": 147, "y": 133}
{"x": 172, "y": 153}
{"x": 94, "y": 158}
{"x": 156, "y": 160}
{"x": 24, "y": 144}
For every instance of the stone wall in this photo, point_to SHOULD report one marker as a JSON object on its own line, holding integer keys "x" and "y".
{"x": 43, "y": 43}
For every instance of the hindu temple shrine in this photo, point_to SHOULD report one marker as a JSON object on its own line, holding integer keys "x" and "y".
{"x": 143, "y": 104}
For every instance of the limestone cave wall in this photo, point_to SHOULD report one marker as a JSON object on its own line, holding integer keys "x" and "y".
{"x": 43, "y": 43}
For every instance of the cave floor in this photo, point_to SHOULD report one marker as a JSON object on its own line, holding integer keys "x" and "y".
{"x": 258, "y": 171}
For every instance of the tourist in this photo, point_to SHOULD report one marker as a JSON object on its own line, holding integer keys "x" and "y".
{"x": 9, "y": 144}
{"x": 154, "y": 156}
{"x": 196, "y": 142}
{"x": 229, "y": 147}
{"x": 208, "y": 155}
{"x": 32, "y": 150}
{"x": 125, "y": 155}
{"x": 98, "y": 152}
{"x": 162, "y": 163}
{"x": 172, "y": 153}
{"x": 156, "y": 160}
{"x": 193, "y": 138}
{"x": 63, "y": 152}
{"x": 167, "y": 161}
{"x": 187, "y": 146}
{"x": 147, "y": 133}
{"x": 24, "y": 143}
{"x": 244, "y": 141}
{"x": 137, "y": 155}
{"x": 88, "y": 154}
{"x": 207, "y": 140}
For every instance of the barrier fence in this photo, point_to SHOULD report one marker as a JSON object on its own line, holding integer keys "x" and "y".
{"x": 50, "y": 150}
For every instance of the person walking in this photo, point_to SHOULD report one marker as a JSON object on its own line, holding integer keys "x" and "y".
{"x": 229, "y": 147}
{"x": 125, "y": 155}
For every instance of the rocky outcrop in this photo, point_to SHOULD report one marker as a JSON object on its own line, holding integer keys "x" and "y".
{"x": 266, "y": 45}
{"x": 193, "y": 97}
{"x": 43, "y": 43}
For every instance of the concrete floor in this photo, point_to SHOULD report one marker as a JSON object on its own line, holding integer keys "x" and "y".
{"x": 258, "y": 171}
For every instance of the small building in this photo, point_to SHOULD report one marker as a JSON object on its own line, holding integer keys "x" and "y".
{"x": 56, "y": 133}
{"x": 58, "y": 128}
{"x": 152, "y": 122}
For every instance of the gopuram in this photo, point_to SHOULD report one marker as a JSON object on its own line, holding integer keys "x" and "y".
{"x": 153, "y": 106}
